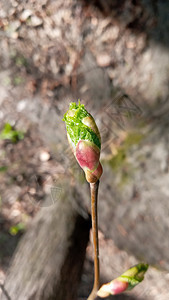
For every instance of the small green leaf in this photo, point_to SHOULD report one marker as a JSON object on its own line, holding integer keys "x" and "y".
{"x": 8, "y": 133}
{"x": 17, "y": 228}
{"x": 3, "y": 169}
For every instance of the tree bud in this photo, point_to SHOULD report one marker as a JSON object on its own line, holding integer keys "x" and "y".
{"x": 84, "y": 138}
{"x": 126, "y": 281}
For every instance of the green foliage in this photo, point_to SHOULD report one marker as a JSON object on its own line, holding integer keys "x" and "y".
{"x": 8, "y": 133}
{"x": 3, "y": 168}
{"x": 17, "y": 228}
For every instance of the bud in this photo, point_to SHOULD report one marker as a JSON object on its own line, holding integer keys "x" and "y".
{"x": 126, "y": 281}
{"x": 84, "y": 138}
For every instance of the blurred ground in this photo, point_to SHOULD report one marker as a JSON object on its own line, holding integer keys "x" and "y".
{"x": 52, "y": 53}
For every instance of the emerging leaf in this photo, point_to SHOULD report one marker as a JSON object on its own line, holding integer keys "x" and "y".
{"x": 126, "y": 281}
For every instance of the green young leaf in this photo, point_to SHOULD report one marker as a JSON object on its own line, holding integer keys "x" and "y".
{"x": 134, "y": 275}
{"x": 8, "y": 133}
{"x": 3, "y": 168}
{"x": 77, "y": 127}
{"x": 17, "y": 228}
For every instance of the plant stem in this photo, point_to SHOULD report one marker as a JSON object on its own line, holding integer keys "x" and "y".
{"x": 94, "y": 193}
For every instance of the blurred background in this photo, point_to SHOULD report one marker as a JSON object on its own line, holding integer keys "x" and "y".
{"x": 114, "y": 56}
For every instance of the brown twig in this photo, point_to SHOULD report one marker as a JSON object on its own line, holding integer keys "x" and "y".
{"x": 94, "y": 193}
